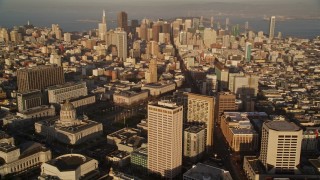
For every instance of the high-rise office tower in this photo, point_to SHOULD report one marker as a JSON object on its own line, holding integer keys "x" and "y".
{"x": 209, "y": 37}
{"x": 152, "y": 74}
{"x": 246, "y": 26}
{"x": 195, "y": 23}
{"x": 211, "y": 21}
{"x": 14, "y": 36}
{"x": 121, "y": 43}
{"x": 166, "y": 27}
{"x": 201, "y": 110}
{"x": 143, "y": 31}
{"x": 280, "y": 146}
{"x": 4, "y": 35}
{"x": 123, "y": 20}
{"x": 67, "y": 37}
{"x": 39, "y": 77}
{"x": 226, "y": 101}
{"x": 165, "y": 123}
{"x": 227, "y": 24}
{"x": 248, "y": 51}
{"x": 187, "y": 24}
{"x": 272, "y": 27}
{"x": 103, "y": 26}
{"x": 156, "y": 28}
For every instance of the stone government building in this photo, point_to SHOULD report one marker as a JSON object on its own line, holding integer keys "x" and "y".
{"x": 69, "y": 128}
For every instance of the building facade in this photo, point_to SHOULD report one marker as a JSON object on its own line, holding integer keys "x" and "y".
{"x": 60, "y": 93}
{"x": 226, "y": 101}
{"x": 139, "y": 159}
{"x": 280, "y": 146}
{"x": 201, "y": 110}
{"x": 165, "y": 121}
{"x": 194, "y": 142}
{"x": 29, "y": 99}
{"x": 39, "y": 77}
{"x": 18, "y": 159}
{"x": 129, "y": 97}
{"x": 70, "y": 166}
{"x": 239, "y": 132}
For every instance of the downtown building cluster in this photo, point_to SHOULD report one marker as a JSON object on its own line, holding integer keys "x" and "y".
{"x": 160, "y": 97}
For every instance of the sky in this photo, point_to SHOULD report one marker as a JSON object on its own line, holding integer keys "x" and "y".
{"x": 71, "y": 13}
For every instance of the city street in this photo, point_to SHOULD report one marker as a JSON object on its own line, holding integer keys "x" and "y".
{"x": 230, "y": 160}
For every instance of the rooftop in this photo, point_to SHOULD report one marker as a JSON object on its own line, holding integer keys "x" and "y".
{"x": 243, "y": 131}
{"x": 35, "y": 109}
{"x": 67, "y": 84}
{"x": 165, "y": 104}
{"x": 194, "y": 129}
{"x": 4, "y": 135}
{"x": 141, "y": 151}
{"x": 5, "y": 147}
{"x": 118, "y": 154}
{"x": 130, "y": 93}
{"x": 282, "y": 126}
{"x": 203, "y": 171}
{"x": 69, "y": 162}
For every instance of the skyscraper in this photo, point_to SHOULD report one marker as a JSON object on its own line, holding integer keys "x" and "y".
{"x": 152, "y": 73}
{"x": 200, "y": 110}
{"x": 272, "y": 27}
{"x": 123, "y": 20}
{"x": 226, "y": 101}
{"x": 39, "y": 77}
{"x": 248, "y": 51}
{"x": 103, "y": 26}
{"x": 155, "y": 31}
{"x": 121, "y": 43}
{"x": 280, "y": 146}
{"x": 165, "y": 121}
{"x": 209, "y": 37}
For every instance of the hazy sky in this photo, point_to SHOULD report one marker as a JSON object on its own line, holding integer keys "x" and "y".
{"x": 69, "y": 12}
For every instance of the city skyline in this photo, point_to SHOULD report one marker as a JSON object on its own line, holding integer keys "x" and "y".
{"x": 239, "y": 12}
{"x": 202, "y": 92}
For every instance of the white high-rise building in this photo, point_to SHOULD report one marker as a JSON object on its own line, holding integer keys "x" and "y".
{"x": 165, "y": 121}
{"x": 121, "y": 43}
{"x": 272, "y": 27}
{"x": 280, "y": 146}
{"x": 103, "y": 26}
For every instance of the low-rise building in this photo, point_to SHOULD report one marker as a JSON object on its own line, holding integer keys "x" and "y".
{"x": 238, "y": 131}
{"x": 59, "y": 93}
{"x": 129, "y": 97}
{"x": 37, "y": 112}
{"x": 119, "y": 158}
{"x": 70, "y": 166}
{"x": 157, "y": 89}
{"x": 139, "y": 159}
{"x": 120, "y": 135}
{"x": 203, "y": 171}
{"x": 27, "y": 156}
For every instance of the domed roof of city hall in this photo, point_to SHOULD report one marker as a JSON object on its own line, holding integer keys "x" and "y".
{"x": 67, "y": 106}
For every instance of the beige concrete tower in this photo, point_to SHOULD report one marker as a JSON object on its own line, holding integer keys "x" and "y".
{"x": 152, "y": 74}
{"x": 201, "y": 110}
{"x": 165, "y": 121}
{"x": 280, "y": 146}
